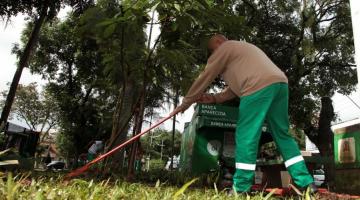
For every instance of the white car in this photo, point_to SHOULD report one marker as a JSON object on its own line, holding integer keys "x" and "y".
{"x": 319, "y": 177}
{"x": 176, "y": 161}
{"x": 56, "y": 165}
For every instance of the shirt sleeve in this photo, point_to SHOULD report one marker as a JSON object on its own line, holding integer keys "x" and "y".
{"x": 225, "y": 95}
{"x": 215, "y": 66}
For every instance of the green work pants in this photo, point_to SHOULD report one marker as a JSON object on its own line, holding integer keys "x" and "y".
{"x": 270, "y": 104}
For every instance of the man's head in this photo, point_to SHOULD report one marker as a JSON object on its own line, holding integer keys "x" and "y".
{"x": 215, "y": 41}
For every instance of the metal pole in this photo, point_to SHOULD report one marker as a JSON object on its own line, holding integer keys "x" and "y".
{"x": 173, "y": 130}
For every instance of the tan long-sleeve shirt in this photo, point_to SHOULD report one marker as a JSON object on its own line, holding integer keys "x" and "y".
{"x": 244, "y": 67}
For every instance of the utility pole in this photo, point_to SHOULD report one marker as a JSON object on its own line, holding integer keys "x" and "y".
{"x": 162, "y": 147}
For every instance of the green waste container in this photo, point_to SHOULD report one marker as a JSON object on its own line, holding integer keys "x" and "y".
{"x": 347, "y": 147}
{"x": 208, "y": 138}
{"x": 347, "y": 159}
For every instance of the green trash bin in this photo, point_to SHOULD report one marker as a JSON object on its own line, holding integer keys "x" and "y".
{"x": 208, "y": 138}
{"x": 347, "y": 147}
{"x": 347, "y": 159}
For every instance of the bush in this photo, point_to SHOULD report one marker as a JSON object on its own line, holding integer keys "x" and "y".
{"x": 156, "y": 164}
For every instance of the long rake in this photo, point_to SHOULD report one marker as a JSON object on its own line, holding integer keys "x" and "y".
{"x": 84, "y": 168}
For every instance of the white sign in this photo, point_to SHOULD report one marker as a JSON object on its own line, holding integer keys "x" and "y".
{"x": 214, "y": 147}
{"x": 346, "y": 150}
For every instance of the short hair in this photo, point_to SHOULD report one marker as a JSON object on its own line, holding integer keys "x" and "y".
{"x": 218, "y": 36}
{"x": 215, "y": 36}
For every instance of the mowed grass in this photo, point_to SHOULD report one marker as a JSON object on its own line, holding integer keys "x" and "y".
{"x": 25, "y": 187}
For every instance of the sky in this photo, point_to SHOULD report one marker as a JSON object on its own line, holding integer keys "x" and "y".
{"x": 10, "y": 34}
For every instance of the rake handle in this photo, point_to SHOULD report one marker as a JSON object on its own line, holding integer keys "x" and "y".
{"x": 101, "y": 157}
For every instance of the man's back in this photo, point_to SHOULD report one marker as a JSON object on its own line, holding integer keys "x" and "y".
{"x": 247, "y": 68}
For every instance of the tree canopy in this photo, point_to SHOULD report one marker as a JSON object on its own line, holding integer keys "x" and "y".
{"x": 36, "y": 108}
{"x": 107, "y": 74}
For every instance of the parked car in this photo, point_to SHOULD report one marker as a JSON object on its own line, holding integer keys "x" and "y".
{"x": 56, "y": 165}
{"x": 176, "y": 161}
{"x": 319, "y": 177}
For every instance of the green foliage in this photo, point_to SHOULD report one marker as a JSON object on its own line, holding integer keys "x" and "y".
{"x": 76, "y": 84}
{"x": 50, "y": 187}
{"x": 10, "y": 8}
{"x": 151, "y": 144}
{"x": 183, "y": 188}
{"x": 123, "y": 58}
{"x": 156, "y": 164}
{"x": 34, "y": 107}
{"x": 65, "y": 144}
{"x": 40, "y": 12}
{"x": 100, "y": 62}
{"x": 312, "y": 43}
{"x": 16, "y": 188}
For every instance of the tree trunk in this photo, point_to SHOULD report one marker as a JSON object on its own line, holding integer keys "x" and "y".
{"x": 323, "y": 138}
{"x": 124, "y": 111}
{"x": 137, "y": 130}
{"x": 326, "y": 136}
{"x": 24, "y": 61}
{"x": 133, "y": 149}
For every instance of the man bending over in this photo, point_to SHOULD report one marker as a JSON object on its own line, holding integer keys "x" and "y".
{"x": 263, "y": 91}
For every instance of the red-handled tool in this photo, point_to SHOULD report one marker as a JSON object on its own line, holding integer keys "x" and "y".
{"x": 84, "y": 168}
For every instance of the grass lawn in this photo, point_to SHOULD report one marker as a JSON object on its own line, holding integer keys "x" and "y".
{"x": 54, "y": 187}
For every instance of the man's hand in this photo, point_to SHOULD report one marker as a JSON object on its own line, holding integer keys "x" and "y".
{"x": 179, "y": 109}
{"x": 207, "y": 99}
